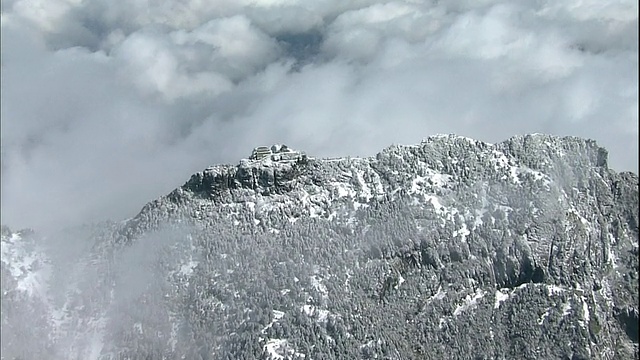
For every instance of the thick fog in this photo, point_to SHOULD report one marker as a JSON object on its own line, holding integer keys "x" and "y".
{"x": 109, "y": 104}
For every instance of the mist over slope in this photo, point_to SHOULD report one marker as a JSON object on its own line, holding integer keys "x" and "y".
{"x": 452, "y": 248}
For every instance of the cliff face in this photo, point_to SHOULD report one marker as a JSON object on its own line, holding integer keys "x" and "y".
{"x": 452, "y": 248}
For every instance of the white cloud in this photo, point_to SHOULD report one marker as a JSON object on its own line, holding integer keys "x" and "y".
{"x": 109, "y": 104}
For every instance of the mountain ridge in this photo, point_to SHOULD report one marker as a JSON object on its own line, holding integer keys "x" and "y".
{"x": 222, "y": 182}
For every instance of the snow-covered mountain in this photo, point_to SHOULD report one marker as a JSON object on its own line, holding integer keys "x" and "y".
{"x": 452, "y": 248}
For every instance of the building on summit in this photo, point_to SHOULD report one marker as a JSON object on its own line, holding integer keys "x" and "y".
{"x": 276, "y": 153}
{"x": 259, "y": 153}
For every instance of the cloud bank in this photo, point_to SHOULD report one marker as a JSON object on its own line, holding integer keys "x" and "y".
{"x": 109, "y": 104}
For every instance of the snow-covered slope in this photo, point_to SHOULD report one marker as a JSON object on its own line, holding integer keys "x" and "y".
{"x": 452, "y": 248}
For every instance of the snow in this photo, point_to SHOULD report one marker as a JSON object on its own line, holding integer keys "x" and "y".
{"x": 435, "y": 201}
{"x": 343, "y": 190}
{"x": 478, "y": 220}
{"x": 370, "y": 343}
{"x": 310, "y": 203}
{"x": 438, "y": 295}
{"x": 505, "y": 209}
{"x": 319, "y": 286}
{"x": 537, "y": 175}
{"x": 429, "y": 183}
{"x": 378, "y": 185}
{"x": 500, "y": 297}
{"x": 611, "y": 257}
{"x": 501, "y": 162}
{"x": 606, "y": 294}
{"x": 554, "y": 290}
{"x": 309, "y": 310}
{"x": 480, "y": 213}
{"x": 277, "y": 315}
{"x": 543, "y": 316}
{"x": 463, "y": 232}
{"x": 358, "y": 205}
{"x": 400, "y": 281}
{"x": 415, "y": 184}
{"x": 586, "y": 316}
{"x": 314, "y": 212}
{"x": 504, "y": 294}
{"x": 280, "y": 349}
{"x": 433, "y": 179}
{"x": 440, "y": 179}
{"x": 566, "y": 309}
{"x": 11, "y": 255}
{"x": 577, "y": 215}
{"x": 27, "y": 267}
{"x": 187, "y": 269}
{"x": 513, "y": 171}
{"x": 364, "y": 188}
{"x": 272, "y": 347}
{"x": 313, "y": 311}
{"x": 469, "y": 302}
{"x": 449, "y": 136}
{"x": 521, "y": 286}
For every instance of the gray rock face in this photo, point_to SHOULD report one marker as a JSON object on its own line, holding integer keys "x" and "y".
{"x": 452, "y": 248}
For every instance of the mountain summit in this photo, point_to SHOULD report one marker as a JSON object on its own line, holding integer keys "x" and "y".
{"x": 452, "y": 248}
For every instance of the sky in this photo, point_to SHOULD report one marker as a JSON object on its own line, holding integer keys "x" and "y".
{"x": 109, "y": 104}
